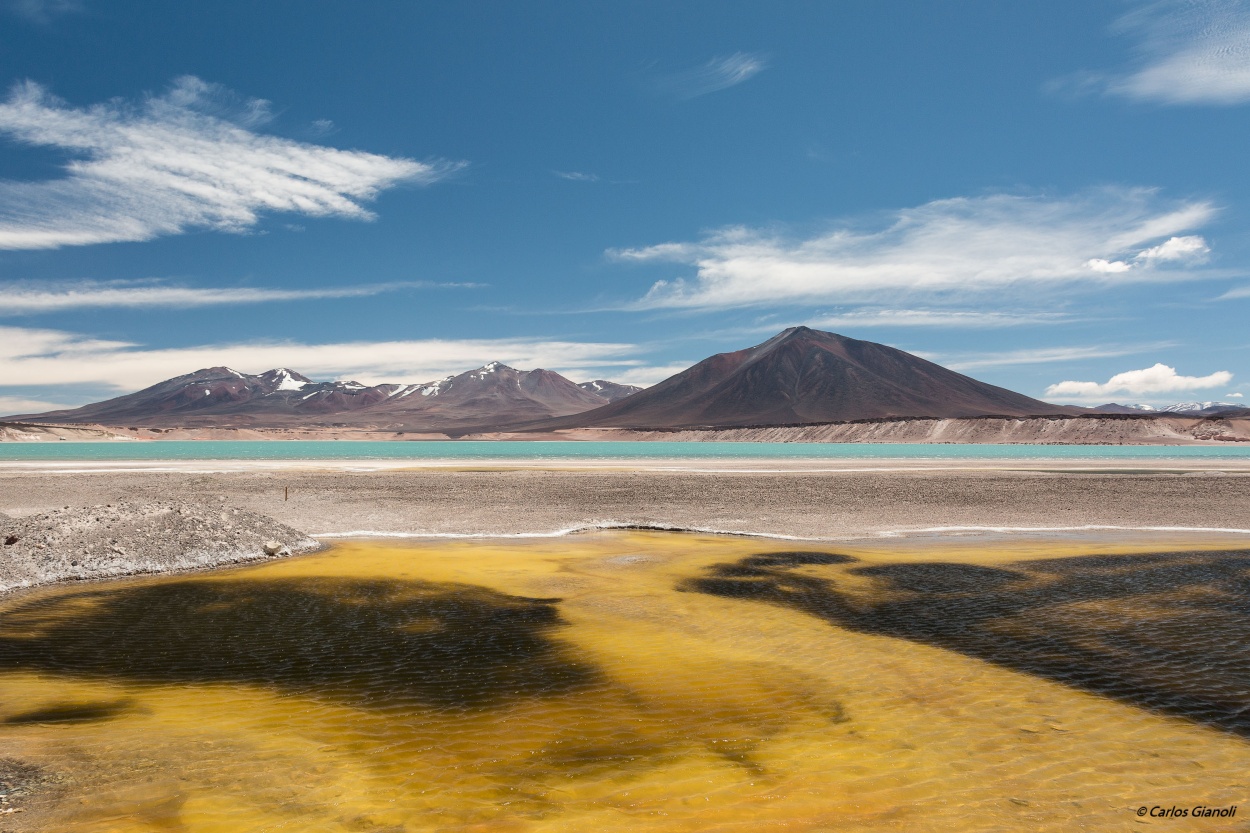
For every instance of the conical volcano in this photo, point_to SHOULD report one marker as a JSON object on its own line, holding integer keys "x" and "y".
{"x": 803, "y": 375}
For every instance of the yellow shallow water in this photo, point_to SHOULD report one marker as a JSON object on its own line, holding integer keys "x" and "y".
{"x": 638, "y": 681}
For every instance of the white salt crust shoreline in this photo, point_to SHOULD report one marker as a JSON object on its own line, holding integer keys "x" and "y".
{"x": 608, "y": 526}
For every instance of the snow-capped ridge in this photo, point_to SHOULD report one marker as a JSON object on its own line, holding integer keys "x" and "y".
{"x": 1198, "y": 406}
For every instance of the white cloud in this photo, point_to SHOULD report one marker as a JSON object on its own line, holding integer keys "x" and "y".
{"x": 1238, "y": 292}
{"x": 19, "y": 299}
{"x": 647, "y": 375}
{"x": 1234, "y": 395}
{"x": 577, "y": 176}
{"x": 184, "y": 160}
{"x": 717, "y": 74}
{"x": 1158, "y": 378}
{"x": 37, "y": 357}
{"x": 1109, "y": 267}
{"x": 1191, "y": 52}
{"x": 962, "y": 319}
{"x": 1190, "y": 247}
{"x": 952, "y": 247}
{"x": 1042, "y": 355}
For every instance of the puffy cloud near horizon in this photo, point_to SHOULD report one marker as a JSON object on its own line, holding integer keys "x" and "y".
{"x": 187, "y": 159}
{"x": 1191, "y": 52}
{"x": 1156, "y": 379}
{"x": 962, "y": 246}
{"x": 1191, "y": 248}
{"x": 32, "y": 357}
{"x": 26, "y": 299}
{"x": 719, "y": 73}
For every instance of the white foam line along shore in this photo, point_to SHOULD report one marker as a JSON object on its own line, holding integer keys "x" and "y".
{"x": 1043, "y": 529}
{"x": 560, "y": 533}
{"x": 894, "y": 533}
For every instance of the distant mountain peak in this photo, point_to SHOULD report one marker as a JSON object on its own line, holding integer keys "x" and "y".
{"x": 802, "y": 376}
{"x": 283, "y": 378}
{"x": 610, "y": 391}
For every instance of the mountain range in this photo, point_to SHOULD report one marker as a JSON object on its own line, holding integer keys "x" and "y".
{"x": 224, "y": 397}
{"x": 1201, "y": 409}
{"x": 800, "y": 376}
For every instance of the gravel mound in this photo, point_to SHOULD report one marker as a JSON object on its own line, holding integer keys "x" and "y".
{"x": 126, "y": 538}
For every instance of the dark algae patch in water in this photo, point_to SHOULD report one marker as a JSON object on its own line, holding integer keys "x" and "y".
{"x": 370, "y": 642}
{"x": 1167, "y": 631}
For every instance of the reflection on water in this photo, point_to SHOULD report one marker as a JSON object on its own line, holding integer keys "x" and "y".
{"x": 635, "y": 681}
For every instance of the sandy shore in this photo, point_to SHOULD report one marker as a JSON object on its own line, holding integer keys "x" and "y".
{"x": 804, "y": 499}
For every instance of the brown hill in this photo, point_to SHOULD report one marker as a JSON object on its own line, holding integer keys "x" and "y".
{"x": 807, "y": 376}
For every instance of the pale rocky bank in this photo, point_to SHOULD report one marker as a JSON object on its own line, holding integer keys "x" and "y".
{"x": 125, "y": 538}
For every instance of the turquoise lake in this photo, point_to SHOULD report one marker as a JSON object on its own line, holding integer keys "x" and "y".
{"x": 472, "y": 450}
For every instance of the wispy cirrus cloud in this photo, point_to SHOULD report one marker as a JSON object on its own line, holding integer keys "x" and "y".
{"x": 964, "y": 246}
{"x": 188, "y": 159}
{"x": 43, "y": 11}
{"x": 576, "y": 176}
{"x": 26, "y": 405}
{"x": 32, "y": 357}
{"x": 26, "y": 299}
{"x": 1156, "y": 379}
{"x": 719, "y": 73}
{"x": 1188, "y": 52}
{"x": 1235, "y": 292}
{"x": 1046, "y": 355}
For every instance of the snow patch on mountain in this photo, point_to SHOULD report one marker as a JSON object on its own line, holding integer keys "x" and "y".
{"x": 288, "y": 380}
{"x": 1188, "y": 407}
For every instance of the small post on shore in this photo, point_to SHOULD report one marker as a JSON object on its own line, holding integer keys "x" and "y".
{"x": 286, "y": 492}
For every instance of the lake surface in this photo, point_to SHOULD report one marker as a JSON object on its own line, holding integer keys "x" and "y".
{"x": 479, "y": 450}
{"x": 638, "y": 681}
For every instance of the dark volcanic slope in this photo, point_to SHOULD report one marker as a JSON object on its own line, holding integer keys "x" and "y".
{"x": 802, "y": 376}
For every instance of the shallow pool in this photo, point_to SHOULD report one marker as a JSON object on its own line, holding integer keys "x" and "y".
{"x": 637, "y": 681}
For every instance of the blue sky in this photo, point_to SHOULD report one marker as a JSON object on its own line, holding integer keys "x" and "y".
{"x": 1047, "y": 195}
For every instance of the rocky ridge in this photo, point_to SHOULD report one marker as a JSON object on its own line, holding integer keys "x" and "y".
{"x": 127, "y": 538}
